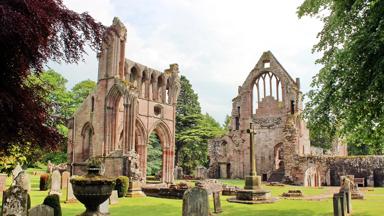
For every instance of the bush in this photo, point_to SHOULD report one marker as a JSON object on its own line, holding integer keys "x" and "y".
{"x": 122, "y": 185}
{"x": 54, "y": 202}
{"x": 55, "y": 157}
{"x": 44, "y": 182}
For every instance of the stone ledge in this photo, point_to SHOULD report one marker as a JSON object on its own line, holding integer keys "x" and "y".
{"x": 266, "y": 201}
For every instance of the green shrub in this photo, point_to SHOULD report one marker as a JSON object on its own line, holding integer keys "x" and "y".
{"x": 44, "y": 181}
{"x": 121, "y": 186}
{"x": 55, "y": 157}
{"x": 54, "y": 202}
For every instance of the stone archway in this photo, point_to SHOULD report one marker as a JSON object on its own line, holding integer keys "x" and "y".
{"x": 163, "y": 133}
{"x": 312, "y": 177}
{"x": 278, "y": 156}
{"x": 141, "y": 139}
{"x": 87, "y": 133}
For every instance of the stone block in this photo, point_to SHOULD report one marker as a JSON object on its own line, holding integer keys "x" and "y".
{"x": 55, "y": 183}
{"x": 65, "y": 179}
{"x": 113, "y": 199}
{"x": 15, "y": 201}
{"x": 217, "y": 203}
{"x": 41, "y": 210}
{"x": 3, "y": 179}
{"x": 195, "y": 202}
{"x": 252, "y": 182}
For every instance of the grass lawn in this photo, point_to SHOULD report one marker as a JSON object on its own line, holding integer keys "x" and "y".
{"x": 147, "y": 206}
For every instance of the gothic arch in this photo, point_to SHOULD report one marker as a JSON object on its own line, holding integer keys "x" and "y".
{"x": 114, "y": 116}
{"x": 87, "y": 133}
{"x": 312, "y": 177}
{"x": 279, "y": 156}
{"x": 141, "y": 140}
{"x": 164, "y": 134}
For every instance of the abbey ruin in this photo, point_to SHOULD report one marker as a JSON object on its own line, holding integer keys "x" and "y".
{"x": 130, "y": 102}
{"x": 271, "y": 100}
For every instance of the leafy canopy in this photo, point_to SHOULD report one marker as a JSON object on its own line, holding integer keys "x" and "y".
{"x": 347, "y": 99}
{"x": 32, "y": 32}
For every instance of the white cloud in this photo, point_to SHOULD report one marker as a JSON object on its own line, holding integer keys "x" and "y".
{"x": 216, "y": 42}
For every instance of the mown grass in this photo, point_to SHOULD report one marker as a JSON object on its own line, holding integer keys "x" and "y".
{"x": 148, "y": 206}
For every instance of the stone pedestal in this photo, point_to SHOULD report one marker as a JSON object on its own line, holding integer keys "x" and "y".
{"x": 252, "y": 182}
{"x": 253, "y": 192}
{"x": 134, "y": 190}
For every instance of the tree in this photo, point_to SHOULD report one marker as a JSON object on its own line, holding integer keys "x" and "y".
{"x": 193, "y": 130}
{"x": 53, "y": 91}
{"x": 81, "y": 91}
{"x": 154, "y": 159}
{"x": 195, "y": 141}
{"x": 32, "y": 32}
{"x": 347, "y": 98}
{"x": 227, "y": 122}
{"x": 187, "y": 112}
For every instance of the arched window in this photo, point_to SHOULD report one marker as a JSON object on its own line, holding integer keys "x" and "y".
{"x": 266, "y": 85}
{"x": 86, "y": 133}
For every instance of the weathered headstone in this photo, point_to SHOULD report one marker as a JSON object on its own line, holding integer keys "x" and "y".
{"x": 216, "y": 203}
{"x": 343, "y": 201}
{"x": 3, "y": 179}
{"x": 55, "y": 183}
{"x": 41, "y": 210}
{"x": 336, "y": 205}
{"x": 65, "y": 179}
{"x": 178, "y": 172}
{"x": 15, "y": 201}
{"x": 201, "y": 172}
{"x": 70, "y": 196}
{"x": 195, "y": 202}
{"x": 104, "y": 207}
{"x": 113, "y": 199}
{"x": 22, "y": 180}
{"x": 16, "y": 171}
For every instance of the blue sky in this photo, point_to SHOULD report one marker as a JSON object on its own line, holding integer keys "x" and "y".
{"x": 215, "y": 42}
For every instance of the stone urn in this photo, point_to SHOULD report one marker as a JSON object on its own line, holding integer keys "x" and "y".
{"x": 92, "y": 190}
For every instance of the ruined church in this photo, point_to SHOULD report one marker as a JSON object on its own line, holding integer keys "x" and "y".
{"x": 270, "y": 101}
{"x": 130, "y": 102}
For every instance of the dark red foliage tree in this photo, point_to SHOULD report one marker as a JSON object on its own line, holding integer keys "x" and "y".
{"x": 31, "y": 33}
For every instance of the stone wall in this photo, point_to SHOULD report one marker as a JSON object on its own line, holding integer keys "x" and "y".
{"x": 331, "y": 168}
{"x": 266, "y": 99}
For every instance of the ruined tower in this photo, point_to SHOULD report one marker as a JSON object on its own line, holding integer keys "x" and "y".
{"x": 130, "y": 102}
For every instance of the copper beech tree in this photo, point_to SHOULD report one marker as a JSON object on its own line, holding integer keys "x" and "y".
{"x": 31, "y": 33}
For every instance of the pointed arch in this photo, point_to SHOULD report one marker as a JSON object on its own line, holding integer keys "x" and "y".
{"x": 141, "y": 140}
{"x": 87, "y": 133}
{"x": 164, "y": 134}
{"x": 114, "y": 118}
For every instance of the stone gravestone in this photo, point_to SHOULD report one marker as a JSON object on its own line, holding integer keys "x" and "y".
{"x": 65, "y": 179}
{"x": 217, "y": 203}
{"x": 15, "y": 201}
{"x": 336, "y": 205}
{"x": 178, "y": 172}
{"x": 3, "y": 179}
{"x": 41, "y": 210}
{"x": 113, "y": 199}
{"x": 195, "y": 202}
{"x": 201, "y": 172}
{"x": 22, "y": 180}
{"x": 16, "y": 171}
{"x": 104, "y": 207}
{"x": 70, "y": 196}
{"x": 55, "y": 183}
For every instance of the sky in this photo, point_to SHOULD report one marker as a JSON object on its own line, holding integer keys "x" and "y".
{"x": 215, "y": 42}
